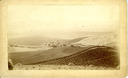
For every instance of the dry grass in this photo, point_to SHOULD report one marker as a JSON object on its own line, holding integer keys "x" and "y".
{"x": 43, "y": 55}
{"x": 62, "y": 67}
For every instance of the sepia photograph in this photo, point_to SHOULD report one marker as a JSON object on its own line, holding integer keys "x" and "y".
{"x": 56, "y": 37}
{"x": 63, "y": 38}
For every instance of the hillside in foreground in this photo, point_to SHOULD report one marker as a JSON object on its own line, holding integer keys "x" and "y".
{"x": 97, "y": 56}
{"x": 43, "y": 55}
{"x": 99, "y": 50}
{"x": 93, "y": 58}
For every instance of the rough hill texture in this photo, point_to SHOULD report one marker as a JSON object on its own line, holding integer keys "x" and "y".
{"x": 36, "y": 56}
{"x": 97, "y": 56}
{"x": 98, "y": 50}
{"x": 98, "y": 39}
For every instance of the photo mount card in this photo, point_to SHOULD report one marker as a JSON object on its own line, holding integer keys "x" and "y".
{"x": 80, "y": 38}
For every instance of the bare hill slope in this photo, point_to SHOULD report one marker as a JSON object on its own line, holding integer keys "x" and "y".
{"x": 103, "y": 39}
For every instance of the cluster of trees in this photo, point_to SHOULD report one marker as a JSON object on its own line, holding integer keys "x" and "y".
{"x": 57, "y": 45}
{"x": 61, "y": 45}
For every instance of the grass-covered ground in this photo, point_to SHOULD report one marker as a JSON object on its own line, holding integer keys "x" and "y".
{"x": 67, "y": 57}
{"x": 96, "y": 57}
{"x": 43, "y": 55}
{"x": 62, "y": 67}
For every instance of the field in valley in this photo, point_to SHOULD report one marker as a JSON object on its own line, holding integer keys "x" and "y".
{"x": 92, "y": 52}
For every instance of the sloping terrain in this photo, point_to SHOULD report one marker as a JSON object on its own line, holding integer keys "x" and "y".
{"x": 97, "y": 56}
{"x": 96, "y": 50}
{"x": 41, "y": 40}
{"x": 34, "y": 40}
{"x": 76, "y": 40}
{"x": 36, "y": 56}
{"x": 98, "y": 39}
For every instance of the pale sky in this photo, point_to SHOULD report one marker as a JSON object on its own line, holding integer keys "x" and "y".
{"x": 61, "y": 21}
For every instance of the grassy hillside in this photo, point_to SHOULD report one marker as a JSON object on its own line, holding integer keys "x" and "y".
{"x": 36, "y": 56}
{"x": 97, "y": 50}
{"x": 96, "y": 56}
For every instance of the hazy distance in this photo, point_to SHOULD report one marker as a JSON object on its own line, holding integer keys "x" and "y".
{"x": 61, "y": 21}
